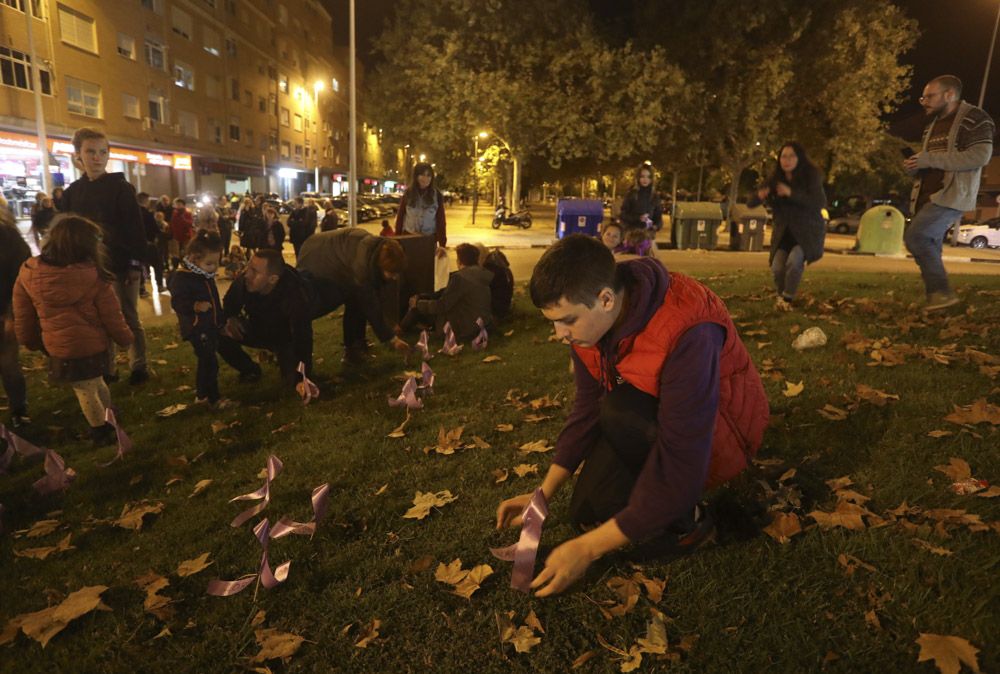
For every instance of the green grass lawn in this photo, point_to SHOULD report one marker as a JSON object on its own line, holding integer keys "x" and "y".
{"x": 747, "y": 603}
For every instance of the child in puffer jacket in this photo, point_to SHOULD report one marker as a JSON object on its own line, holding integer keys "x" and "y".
{"x": 65, "y": 306}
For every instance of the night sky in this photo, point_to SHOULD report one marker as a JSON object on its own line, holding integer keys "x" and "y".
{"x": 955, "y": 38}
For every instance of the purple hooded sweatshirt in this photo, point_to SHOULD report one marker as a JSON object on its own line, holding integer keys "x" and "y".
{"x": 673, "y": 477}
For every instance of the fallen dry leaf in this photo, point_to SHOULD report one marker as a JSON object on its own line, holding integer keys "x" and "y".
{"x": 420, "y": 564}
{"x": 939, "y": 434}
{"x": 219, "y": 426}
{"x": 171, "y": 410}
{"x": 400, "y": 431}
{"x": 423, "y": 502}
{"x": 793, "y": 390}
{"x": 535, "y": 446}
{"x": 531, "y": 620}
{"x": 479, "y": 443}
{"x": 200, "y": 486}
{"x": 42, "y": 553}
{"x": 957, "y": 469}
{"x": 833, "y": 413}
{"x": 783, "y": 527}
{"x": 874, "y": 396}
{"x": 193, "y": 566}
{"x": 655, "y": 641}
{"x": 500, "y": 474}
{"x": 276, "y": 644}
{"x": 41, "y": 528}
{"x": 492, "y": 359}
{"x": 522, "y": 637}
{"x": 632, "y": 660}
{"x": 381, "y": 490}
{"x": 45, "y": 624}
{"x": 847, "y": 515}
{"x": 924, "y": 545}
{"x": 582, "y": 659}
{"x": 505, "y": 428}
{"x": 979, "y": 412}
{"x": 464, "y": 582}
{"x": 155, "y": 603}
{"x": 948, "y": 653}
{"x": 369, "y": 635}
{"x": 536, "y": 418}
{"x": 654, "y": 586}
{"x": 447, "y": 441}
{"x": 627, "y": 591}
{"x": 132, "y": 514}
{"x": 524, "y": 469}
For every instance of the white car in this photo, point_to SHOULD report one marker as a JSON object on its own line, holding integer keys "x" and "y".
{"x": 980, "y": 235}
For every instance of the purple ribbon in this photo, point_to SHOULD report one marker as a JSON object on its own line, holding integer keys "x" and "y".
{"x": 269, "y": 579}
{"x": 57, "y": 475}
{"x": 451, "y": 346}
{"x": 15, "y": 443}
{"x": 523, "y": 552}
{"x": 124, "y": 442}
{"x": 274, "y": 467}
{"x": 309, "y": 389}
{"x": 408, "y": 396}
{"x": 422, "y": 345}
{"x": 285, "y": 526}
{"x": 427, "y": 377}
{"x": 482, "y": 339}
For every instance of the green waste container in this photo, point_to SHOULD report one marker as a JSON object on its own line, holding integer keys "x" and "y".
{"x": 881, "y": 231}
{"x": 747, "y": 230}
{"x": 697, "y": 224}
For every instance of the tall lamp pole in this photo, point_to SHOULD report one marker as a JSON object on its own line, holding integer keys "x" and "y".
{"x": 317, "y": 87}
{"x": 475, "y": 173}
{"x": 989, "y": 59}
{"x": 353, "y": 186}
{"x": 36, "y": 86}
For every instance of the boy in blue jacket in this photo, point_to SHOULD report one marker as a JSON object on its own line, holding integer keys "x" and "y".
{"x": 195, "y": 299}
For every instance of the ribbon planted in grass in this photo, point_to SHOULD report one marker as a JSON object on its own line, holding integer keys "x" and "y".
{"x": 408, "y": 396}
{"x": 523, "y": 552}
{"x": 451, "y": 346}
{"x": 307, "y": 387}
{"x": 425, "y": 351}
{"x": 124, "y": 442}
{"x": 482, "y": 339}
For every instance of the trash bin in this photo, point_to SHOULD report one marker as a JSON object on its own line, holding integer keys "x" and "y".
{"x": 751, "y": 229}
{"x": 578, "y": 216}
{"x": 881, "y": 231}
{"x": 697, "y": 224}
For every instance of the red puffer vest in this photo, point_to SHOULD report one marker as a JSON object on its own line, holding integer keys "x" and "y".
{"x": 743, "y": 409}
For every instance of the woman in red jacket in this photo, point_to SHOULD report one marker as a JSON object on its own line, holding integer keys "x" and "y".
{"x": 65, "y": 306}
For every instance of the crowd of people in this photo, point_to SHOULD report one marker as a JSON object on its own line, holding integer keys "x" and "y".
{"x": 668, "y": 401}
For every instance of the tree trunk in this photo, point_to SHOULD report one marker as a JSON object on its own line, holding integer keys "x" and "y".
{"x": 516, "y": 185}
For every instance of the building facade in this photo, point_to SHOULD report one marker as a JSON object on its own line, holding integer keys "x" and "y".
{"x": 196, "y": 96}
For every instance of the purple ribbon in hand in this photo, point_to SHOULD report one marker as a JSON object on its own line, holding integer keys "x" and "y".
{"x": 285, "y": 526}
{"x": 524, "y": 551}
{"x": 451, "y": 346}
{"x": 124, "y": 442}
{"x": 408, "y": 396}
{"x": 15, "y": 443}
{"x": 309, "y": 389}
{"x": 422, "y": 345}
{"x": 482, "y": 339}
{"x": 269, "y": 579}
{"x": 427, "y": 377}
{"x": 274, "y": 467}
{"x": 57, "y": 475}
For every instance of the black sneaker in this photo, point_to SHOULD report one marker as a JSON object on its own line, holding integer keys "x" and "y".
{"x": 250, "y": 376}
{"x": 138, "y": 377}
{"x": 101, "y": 436}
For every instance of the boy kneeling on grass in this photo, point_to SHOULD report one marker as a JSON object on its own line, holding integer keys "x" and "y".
{"x": 667, "y": 405}
{"x": 194, "y": 297}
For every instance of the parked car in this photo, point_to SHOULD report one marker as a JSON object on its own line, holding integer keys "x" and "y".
{"x": 980, "y": 235}
{"x": 847, "y": 224}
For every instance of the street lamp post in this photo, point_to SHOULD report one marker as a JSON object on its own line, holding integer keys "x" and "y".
{"x": 475, "y": 172}
{"x": 989, "y": 59}
{"x": 317, "y": 87}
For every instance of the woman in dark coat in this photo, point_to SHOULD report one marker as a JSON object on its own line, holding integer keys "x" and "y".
{"x": 794, "y": 192}
{"x": 642, "y": 208}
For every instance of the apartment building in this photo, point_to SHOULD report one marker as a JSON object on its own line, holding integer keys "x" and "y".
{"x": 195, "y": 95}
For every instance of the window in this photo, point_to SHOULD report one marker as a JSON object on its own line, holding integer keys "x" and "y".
{"x": 126, "y": 46}
{"x": 188, "y": 122}
{"x": 213, "y": 86}
{"x": 272, "y": 140}
{"x": 153, "y": 5}
{"x": 272, "y": 73}
{"x": 283, "y": 15}
{"x": 272, "y": 104}
{"x": 215, "y": 130}
{"x": 15, "y": 67}
{"x": 297, "y": 125}
{"x": 183, "y": 76}
{"x": 212, "y": 43}
{"x": 77, "y": 29}
{"x": 156, "y": 56}
{"x": 19, "y": 6}
{"x": 336, "y": 85}
{"x": 249, "y": 137}
{"x": 180, "y": 23}
{"x": 234, "y": 129}
{"x": 286, "y": 150}
{"x": 261, "y": 104}
{"x": 283, "y": 84}
{"x": 284, "y": 117}
{"x": 157, "y": 106}
{"x": 234, "y": 89}
{"x": 130, "y": 106}
{"x": 231, "y": 47}
{"x": 298, "y": 153}
{"x": 231, "y": 7}
{"x": 83, "y": 98}
{"x": 263, "y": 143}
{"x": 248, "y": 98}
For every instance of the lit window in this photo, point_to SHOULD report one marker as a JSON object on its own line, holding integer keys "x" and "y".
{"x": 297, "y": 126}
{"x": 130, "y": 106}
{"x": 126, "y": 46}
{"x": 157, "y": 106}
{"x": 283, "y": 84}
{"x": 77, "y": 29}
{"x": 285, "y": 117}
{"x": 83, "y": 98}
{"x": 15, "y": 67}
{"x": 234, "y": 129}
{"x": 183, "y": 76}
{"x": 336, "y": 85}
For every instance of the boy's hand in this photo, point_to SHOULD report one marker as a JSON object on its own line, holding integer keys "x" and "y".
{"x": 509, "y": 511}
{"x": 202, "y": 307}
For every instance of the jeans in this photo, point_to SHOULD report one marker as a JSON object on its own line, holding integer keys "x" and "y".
{"x": 128, "y": 297}
{"x": 787, "y": 267}
{"x": 207, "y": 377}
{"x": 232, "y": 352}
{"x": 924, "y": 238}
{"x": 13, "y": 377}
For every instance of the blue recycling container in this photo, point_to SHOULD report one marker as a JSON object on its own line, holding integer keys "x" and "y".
{"x": 578, "y": 216}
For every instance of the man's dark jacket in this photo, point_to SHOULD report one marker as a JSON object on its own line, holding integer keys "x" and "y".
{"x": 110, "y": 202}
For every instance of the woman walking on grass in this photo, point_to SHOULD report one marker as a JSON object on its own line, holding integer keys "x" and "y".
{"x": 795, "y": 195}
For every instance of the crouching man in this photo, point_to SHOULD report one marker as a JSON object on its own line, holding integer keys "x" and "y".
{"x": 668, "y": 404}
